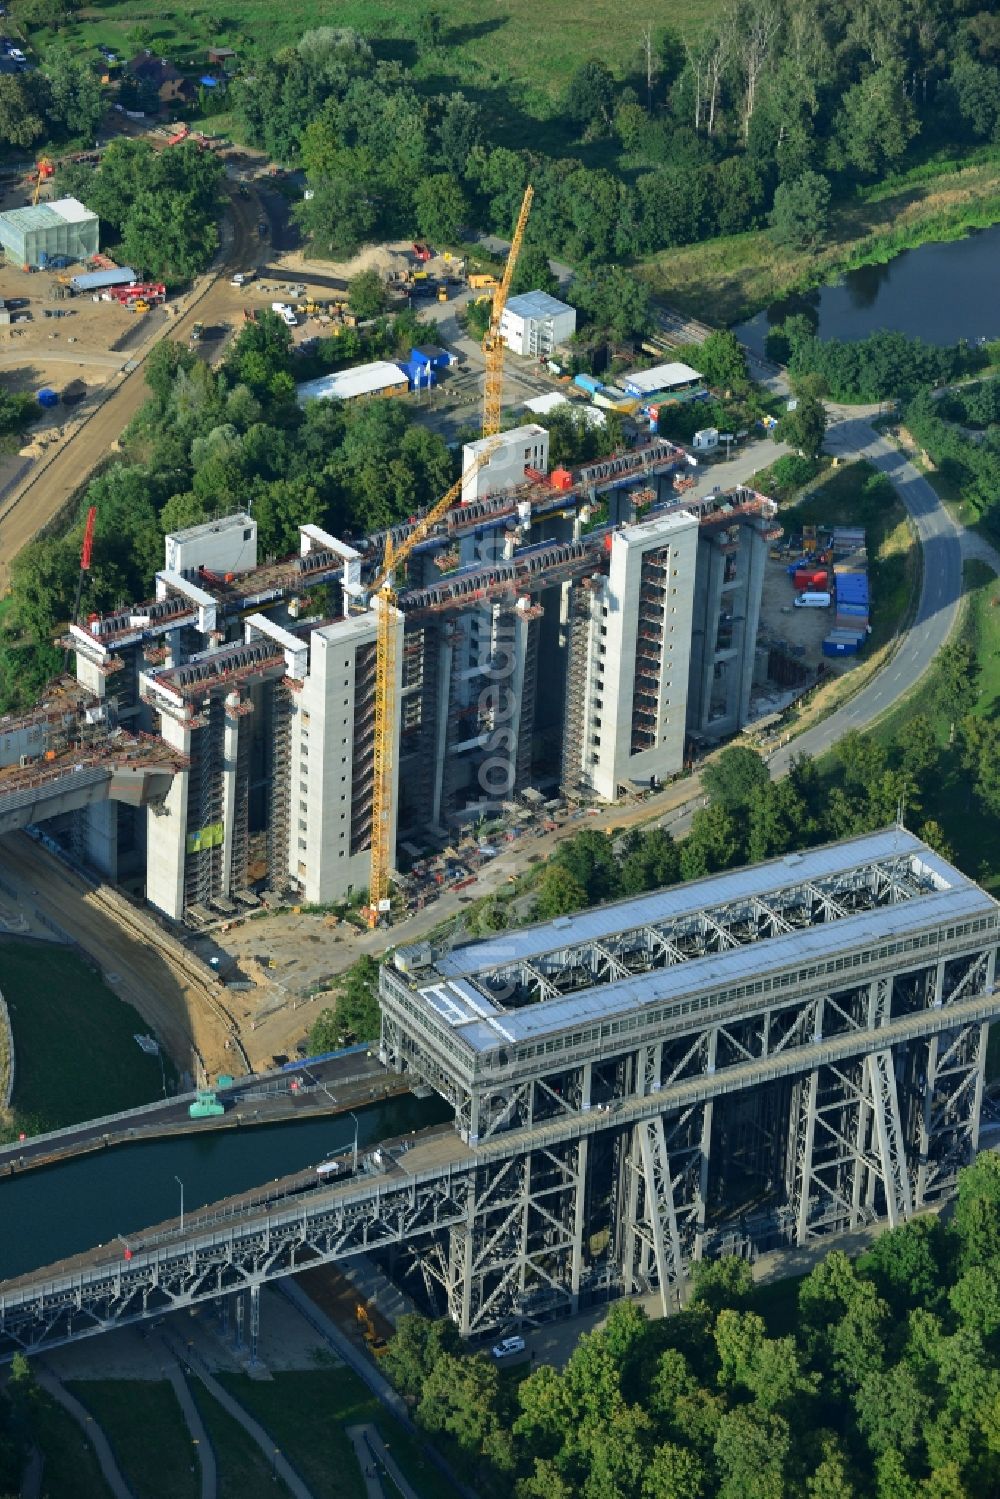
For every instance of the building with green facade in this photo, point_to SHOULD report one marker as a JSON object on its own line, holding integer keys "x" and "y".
{"x": 35, "y": 236}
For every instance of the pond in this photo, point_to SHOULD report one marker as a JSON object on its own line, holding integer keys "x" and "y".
{"x": 939, "y": 292}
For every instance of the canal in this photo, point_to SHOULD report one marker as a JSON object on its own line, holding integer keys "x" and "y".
{"x": 56, "y": 1211}
{"x": 939, "y": 292}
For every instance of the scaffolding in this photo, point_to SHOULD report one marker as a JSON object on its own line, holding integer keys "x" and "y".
{"x": 574, "y": 777}
{"x": 280, "y": 788}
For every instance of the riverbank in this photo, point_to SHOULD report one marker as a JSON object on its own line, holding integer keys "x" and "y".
{"x": 728, "y": 280}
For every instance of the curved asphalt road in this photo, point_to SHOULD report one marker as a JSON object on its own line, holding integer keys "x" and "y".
{"x": 940, "y": 590}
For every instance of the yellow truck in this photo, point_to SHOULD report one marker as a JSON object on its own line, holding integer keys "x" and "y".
{"x": 482, "y": 282}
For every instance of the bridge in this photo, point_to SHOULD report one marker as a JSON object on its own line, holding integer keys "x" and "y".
{"x": 763, "y": 1058}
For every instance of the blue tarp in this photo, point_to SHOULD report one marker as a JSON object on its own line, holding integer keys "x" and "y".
{"x": 208, "y": 82}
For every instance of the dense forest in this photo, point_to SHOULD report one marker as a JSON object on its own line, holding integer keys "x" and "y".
{"x": 880, "y": 1379}
{"x": 775, "y": 108}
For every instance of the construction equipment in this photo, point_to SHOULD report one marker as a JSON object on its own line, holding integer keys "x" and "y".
{"x": 493, "y": 347}
{"x": 45, "y": 171}
{"x": 377, "y": 1345}
{"x": 383, "y": 594}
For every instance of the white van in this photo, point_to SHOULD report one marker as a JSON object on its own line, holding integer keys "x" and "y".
{"x": 813, "y": 601}
{"x": 285, "y": 313}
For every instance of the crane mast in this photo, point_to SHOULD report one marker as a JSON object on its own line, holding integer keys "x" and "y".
{"x": 383, "y": 593}
{"x": 492, "y": 343}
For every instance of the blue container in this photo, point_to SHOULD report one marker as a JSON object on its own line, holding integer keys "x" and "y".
{"x": 858, "y": 611}
{"x": 47, "y": 397}
{"x": 589, "y": 383}
{"x": 840, "y": 647}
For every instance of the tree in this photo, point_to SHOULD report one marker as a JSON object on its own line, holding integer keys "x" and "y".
{"x": 736, "y": 779}
{"x": 649, "y": 861}
{"x": 589, "y": 858}
{"x": 876, "y": 122}
{"x": 712, "y": 844}
{"x": 325, "y": 1033}
{"x": 559, "y": 893}
{"x": 534, "y": 273}
{"x": 21, "y": 123}
{"x": 752, "y": 1450}
{"x": 357, "y": 1000}
{"x": 441, "y": 207}
{"x": 956, "y": 684}
{"x": 612, "y": 299}
{"x": 76, "y": 105}
{"x": 801, "y": 211}
{"x": 805, "y": 427}
{"x": 458, "y": 132}
{"x": 722, "y": 359}
{"x": 340, "y": 216}
{"x": 366, "y": 295}
{"x": 589, "y": 99}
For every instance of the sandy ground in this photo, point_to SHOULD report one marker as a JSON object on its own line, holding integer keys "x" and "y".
{"x": 781, "y": 622}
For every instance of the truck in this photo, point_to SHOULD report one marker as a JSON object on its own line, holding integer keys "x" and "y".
{"x": 421, "y": 251}
{"x": 813, "y": 601}
{"x": 286, "y": 313}
{"x": 479, "y": 281}
{"x": 242, "y": 278}
{"x": 100, "y": 280}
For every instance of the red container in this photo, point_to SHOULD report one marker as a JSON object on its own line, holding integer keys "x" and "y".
{"x": 808, "y": 579}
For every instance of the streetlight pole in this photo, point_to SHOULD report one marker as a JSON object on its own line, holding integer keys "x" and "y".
{"x": 355, "y": 1118}
{"x": 181, "y": 1185}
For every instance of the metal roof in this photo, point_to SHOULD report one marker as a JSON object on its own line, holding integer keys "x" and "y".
{"x": 484, "y": 1027}
{"x": 537, "y": 305}
{"x": 362, "y": 380}
{"x": 48, "y": 215}
{"x": 660, "y": 377}
{"x": 680, "y": 900}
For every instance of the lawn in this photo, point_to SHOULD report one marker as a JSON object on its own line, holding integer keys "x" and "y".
{"x": 75, "y": 1056}
{"x": 730, "y": 278}
{"x": 144, "y": 1424}
{"x": 516, "y": 54}
{"x": 307, "y": 1414}
{"x": 243, "y": 1470}
{"x": 975, "y": 839}
{"x": 70, "y": 1464}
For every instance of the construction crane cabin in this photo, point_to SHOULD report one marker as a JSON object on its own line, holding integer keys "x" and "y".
{"x": 382, "y": 594}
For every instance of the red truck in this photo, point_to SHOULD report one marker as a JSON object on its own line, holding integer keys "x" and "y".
{"x": 421, "y": 251}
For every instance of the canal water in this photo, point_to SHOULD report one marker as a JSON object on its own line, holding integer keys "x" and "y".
{"x": 939, "y": 292}
{"x": 61, "y": 1210}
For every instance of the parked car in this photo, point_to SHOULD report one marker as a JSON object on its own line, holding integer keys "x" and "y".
{"x": 508, "y": 1347}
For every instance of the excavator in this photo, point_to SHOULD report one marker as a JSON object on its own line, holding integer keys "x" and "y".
{"x": 375, "y": 1343}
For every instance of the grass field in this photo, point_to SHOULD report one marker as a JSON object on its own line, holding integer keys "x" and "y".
{"x": 511, "y": 52}
{"x": 308, "y": 1412}
{"x": 726, "y": 279}
{"x": 975, "y": 839}
{"x": 75, "y": 1056}
{"x": 70, "y": 1464}
{"x": 243, "y": 1470}
{"x": 144, "y": 1424}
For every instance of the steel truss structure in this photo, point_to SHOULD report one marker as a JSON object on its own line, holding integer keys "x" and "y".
{"x": 767, "y": 1081}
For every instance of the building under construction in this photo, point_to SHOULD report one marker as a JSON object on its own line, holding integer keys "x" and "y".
{"x": 567, "y": 632}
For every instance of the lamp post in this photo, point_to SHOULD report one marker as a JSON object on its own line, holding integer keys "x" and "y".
{"x": 355, "y": 1118}
{"x": 181, "y": 1185}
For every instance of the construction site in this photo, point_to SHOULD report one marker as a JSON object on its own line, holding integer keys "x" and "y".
{"x": 311, "y": 726}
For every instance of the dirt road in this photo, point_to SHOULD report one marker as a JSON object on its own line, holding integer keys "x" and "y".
{"x": 181, "y": 1009}
{"x": 51, "y": 483}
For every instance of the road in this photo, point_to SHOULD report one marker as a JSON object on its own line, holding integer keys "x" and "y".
{"x": 333, "y": 1087}
{"x": 51, "y": 483}
{"x": 940, "y": 540}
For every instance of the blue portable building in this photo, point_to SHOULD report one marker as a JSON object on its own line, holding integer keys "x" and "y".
{"x": 424, "y": 364}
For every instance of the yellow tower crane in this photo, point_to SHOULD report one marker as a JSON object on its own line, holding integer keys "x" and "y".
{"x": 383, "y": 595}
{"x": 492, "y": 342}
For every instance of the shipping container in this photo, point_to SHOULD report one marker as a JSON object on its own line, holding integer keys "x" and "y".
{"x": 588, "y": 383}
{"x": 852, "y": 610}
{"x": 810, "y": 579}
{"x": 840, "y": 647}
{"x": 98, "y": 280}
